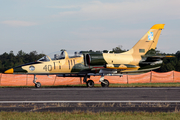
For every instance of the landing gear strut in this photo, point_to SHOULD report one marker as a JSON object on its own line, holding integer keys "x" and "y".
{"x": 37, "y": 84}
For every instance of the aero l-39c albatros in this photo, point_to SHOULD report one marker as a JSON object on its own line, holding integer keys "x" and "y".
{"x": 85, "y": 64}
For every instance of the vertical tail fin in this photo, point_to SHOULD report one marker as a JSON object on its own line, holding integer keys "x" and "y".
{"x": 148, "y": 41}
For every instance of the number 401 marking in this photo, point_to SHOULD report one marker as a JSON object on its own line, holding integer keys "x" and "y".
{"x": 47, "y": 68}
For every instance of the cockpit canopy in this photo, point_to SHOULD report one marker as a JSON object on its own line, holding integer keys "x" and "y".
{"x": 59, "y": 55}
{"x": 44, "y": 58}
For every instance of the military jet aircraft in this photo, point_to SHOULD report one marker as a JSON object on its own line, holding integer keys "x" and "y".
{"x": 85, "y": 64}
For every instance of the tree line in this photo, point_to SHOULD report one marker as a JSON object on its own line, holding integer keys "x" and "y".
{"x": 9, "y": 60}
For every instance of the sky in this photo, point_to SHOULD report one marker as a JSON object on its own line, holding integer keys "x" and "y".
{"x": 46, "y": 26}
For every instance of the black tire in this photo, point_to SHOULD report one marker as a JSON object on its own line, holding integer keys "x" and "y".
{"x": 38, "y": 85}
{"x": 90, "y": 83}
{"x": 105, "y": 85}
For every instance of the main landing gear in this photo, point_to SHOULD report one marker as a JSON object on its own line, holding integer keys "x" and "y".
{"x": 90, "y": 83}
{"x": 37, "y": 84}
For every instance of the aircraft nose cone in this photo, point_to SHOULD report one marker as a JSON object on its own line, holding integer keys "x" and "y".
{"x": 10, "y": 71}
{"x": 16, "y": 70}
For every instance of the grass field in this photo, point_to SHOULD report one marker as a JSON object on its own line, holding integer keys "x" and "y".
{"x": 147, "y": 85}
{"x": 78, "y": 115}
{"x": 111, "y": 85}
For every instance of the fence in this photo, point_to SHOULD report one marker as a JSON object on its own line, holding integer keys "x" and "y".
{"x": 52, "y": 80}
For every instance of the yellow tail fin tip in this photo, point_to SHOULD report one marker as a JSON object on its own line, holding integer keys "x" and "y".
{"x": 158, "y": 26}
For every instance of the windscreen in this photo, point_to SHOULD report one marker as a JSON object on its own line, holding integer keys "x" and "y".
{"x": 60, "y": 55}
{"x": 44, "y": 58}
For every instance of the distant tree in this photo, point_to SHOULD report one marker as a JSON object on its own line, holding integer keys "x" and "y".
{"x": 105, "y": 51}
{"x": 21, "y": 53}
{"x": 162, "y": 68}
{"x": 177, "y": 55}
{"x": 177, "y": 66}
{"x": 118, "y": 49}
{"x": 153, "y": 52}
{"x": 169, "y": 64}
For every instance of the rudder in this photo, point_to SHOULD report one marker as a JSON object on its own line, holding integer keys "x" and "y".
{"x": 148, "y": 41}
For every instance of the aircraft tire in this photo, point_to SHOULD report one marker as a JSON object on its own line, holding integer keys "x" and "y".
{"x": 105, "y": 85}
{"x": 38, "y": 85}
{"x": 90, "y": 83}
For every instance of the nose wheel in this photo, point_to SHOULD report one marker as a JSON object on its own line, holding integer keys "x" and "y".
{"x": 38, "y": 85}
{"x": 105, "y": 83}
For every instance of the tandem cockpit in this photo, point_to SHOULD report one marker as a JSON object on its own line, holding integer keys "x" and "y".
{"x": 60, "y": 55}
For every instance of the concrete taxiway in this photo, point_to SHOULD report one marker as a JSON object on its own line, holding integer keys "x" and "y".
{"x": 91, "y": 99}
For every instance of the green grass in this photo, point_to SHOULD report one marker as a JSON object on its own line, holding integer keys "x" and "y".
{"x": 147, "y": 85}
{"x": 78, "y": 115}
{"x": 111, "y": 85}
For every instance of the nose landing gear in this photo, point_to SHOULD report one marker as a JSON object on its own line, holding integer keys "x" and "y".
{"x": 37, "y": 84}
{"x": 105, "y": 83}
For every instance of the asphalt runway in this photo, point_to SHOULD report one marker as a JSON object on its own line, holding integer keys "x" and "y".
{"x": 90, "y": 99}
